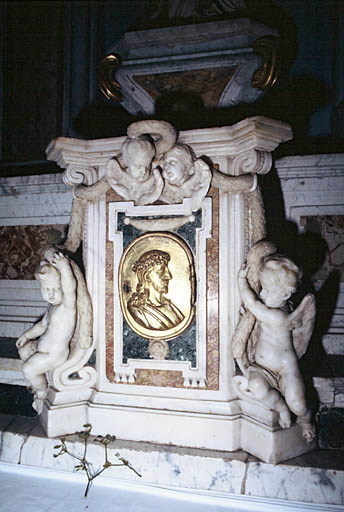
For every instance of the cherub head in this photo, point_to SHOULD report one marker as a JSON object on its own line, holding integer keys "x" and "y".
{"x": 279, "y": 277}
{"x": 178, "y": 164}
{"x": 158, "y": 349}
{"x": 50, "y": 281}
{"x": 138, "y": 154}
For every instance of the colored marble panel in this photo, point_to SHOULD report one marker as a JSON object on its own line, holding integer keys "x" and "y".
{"x": 213, "y": 348}
{"x": 20, "y": 247}
{"x": 109, "y": 301}
{"x": 208, "y": 84}
{"x": 161, "y": 378}
{"x": 182, "y": 348}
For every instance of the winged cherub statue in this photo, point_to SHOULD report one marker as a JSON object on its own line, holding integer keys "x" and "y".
{"x": 61, "y": 342}
{"x": 270, "y": 338}
{"x": 45, "y": 346}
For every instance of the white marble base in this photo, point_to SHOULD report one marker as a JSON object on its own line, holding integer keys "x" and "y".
{"x": 196, "y": 417}
{"x": 227, "y": 428}
{"x": 23, "y": 442}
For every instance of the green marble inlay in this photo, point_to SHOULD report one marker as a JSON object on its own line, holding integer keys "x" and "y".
{"x": 182, "y": 348}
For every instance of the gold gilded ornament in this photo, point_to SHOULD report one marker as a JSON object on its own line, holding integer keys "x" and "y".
{"x": 107, "y": 82}
{"x": 267, "y": 75}
{"x": 157, "y": 286}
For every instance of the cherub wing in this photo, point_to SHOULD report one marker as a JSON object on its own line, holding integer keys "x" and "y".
{"x": 198, "y": 185}
{"x": 114, "y": 172}
{"x": 118, "y": 178}
{"x": 301, "y": 322}
{"x": 241, "y": 335}
{"x": 152, "y": 189}
{"x": 202, "y": 176}
{"x": 83, "y": 334}
{"x": 81, "y": 345}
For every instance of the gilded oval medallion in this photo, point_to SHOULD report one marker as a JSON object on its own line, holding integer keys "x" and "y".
{"x": 157, "y": 286}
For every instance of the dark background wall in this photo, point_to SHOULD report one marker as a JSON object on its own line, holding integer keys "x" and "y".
{"x": 50, "y": 52}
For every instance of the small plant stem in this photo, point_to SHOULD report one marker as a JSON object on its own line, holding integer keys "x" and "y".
{"x": 85, "y": 465}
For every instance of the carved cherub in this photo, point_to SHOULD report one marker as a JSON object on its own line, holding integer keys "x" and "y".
{"x": 280, "y": 338}
{"x": 136, "y": 179}
{"x": 185, "y": 175}
{"x": 45, "y": 346}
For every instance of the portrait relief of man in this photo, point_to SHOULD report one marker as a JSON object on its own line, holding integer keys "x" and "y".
{"x": 148, "y": 305}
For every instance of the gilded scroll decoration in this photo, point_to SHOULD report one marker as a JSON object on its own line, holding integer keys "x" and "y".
{"x": 108, "y": 85}
{"x": 267, "y": 75}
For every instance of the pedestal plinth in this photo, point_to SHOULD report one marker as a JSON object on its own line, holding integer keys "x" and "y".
{"x": 179, "y": 392}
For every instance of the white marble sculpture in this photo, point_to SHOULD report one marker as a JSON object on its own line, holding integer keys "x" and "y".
{"x": 45, "y": 346}
{"x": 133, "y": 173}
{"x": 270, "y": 339}
{"x": 184, "y": 175}
{"x": 136, "y": 179}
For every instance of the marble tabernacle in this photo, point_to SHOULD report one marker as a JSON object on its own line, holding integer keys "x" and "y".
{"x": 221, "y": 63}
{"x": 165, "y": 223}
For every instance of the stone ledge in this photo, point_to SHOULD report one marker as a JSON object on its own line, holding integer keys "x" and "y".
{"x": 317, "y": 477}
{"x": 47, "y": 489}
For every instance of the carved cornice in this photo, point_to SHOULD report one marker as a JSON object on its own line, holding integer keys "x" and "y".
{"x": 246, "y": 143}
{"x": 107, "y": 83}
{"x": 258, "y": 133}
{"x": 266, "y": 76}
{"x": 94, "y": 153}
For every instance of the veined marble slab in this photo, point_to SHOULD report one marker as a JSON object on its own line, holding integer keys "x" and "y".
{"x": 23, "y": 442}
{"x": 38, "y": 489}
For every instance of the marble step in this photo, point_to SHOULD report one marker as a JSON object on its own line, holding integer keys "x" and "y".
{"x": 315, "y": 478}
